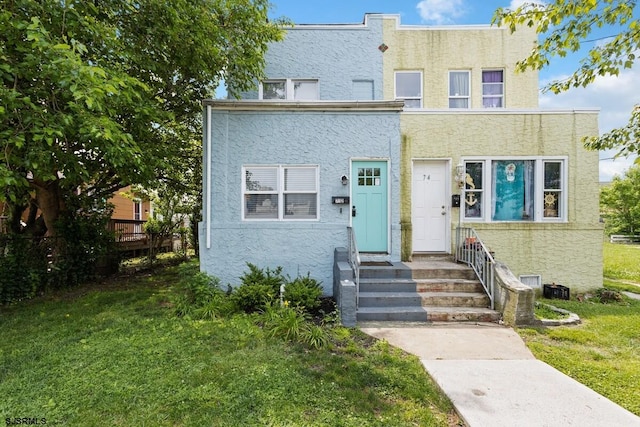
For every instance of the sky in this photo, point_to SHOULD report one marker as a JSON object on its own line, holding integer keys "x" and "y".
{"x": 614, "y": 96}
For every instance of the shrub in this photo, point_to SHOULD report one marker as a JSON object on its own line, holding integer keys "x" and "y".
{"x": 23, "y": 268}
{"x": 292, "y": 324}
{"x": 287, "y": 323}
{"x": 201, "y": 297}
{"x": 303, "y": 292}
{"x": 254, "y": 297}
{"x": 259, "y": 288}
{"x": 315, "y": 336}
{"x": 30, "y": 265}
{"x": 83, "y": 241}
{"x": 272, "y": 278}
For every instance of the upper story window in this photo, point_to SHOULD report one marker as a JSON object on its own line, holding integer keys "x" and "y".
{"x": 493, "y": 88}
{"x": 137, "y": 209}
{"x": 409, "y": 88}
{"x": 459, "y": 89}
{"x": 280, "y": 193}
{"x": 515, "y": 190}
{"x": 290, "y": 89}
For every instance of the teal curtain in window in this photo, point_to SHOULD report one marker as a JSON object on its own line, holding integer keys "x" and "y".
{"x": 512, "y": 190}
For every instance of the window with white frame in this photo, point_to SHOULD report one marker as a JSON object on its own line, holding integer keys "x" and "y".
{"x": 459, "y": 89}
{"x": 552, "y": 197}
{"x": 408, "y": 87}
{"x": 516, "y": 189}
{"x": 474, "y": 190}
{"x": 280, "y": 192}
{"x": 290, "y": 89}
{"x": 493, "y": 88}
{"x": 137, "y": 209}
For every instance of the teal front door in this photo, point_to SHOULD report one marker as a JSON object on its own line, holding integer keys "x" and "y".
{"x": 369, "y": 213}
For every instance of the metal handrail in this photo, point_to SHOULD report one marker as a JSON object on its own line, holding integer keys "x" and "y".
{"x": 354, "y": 261}
{"x": 473, "y": 252}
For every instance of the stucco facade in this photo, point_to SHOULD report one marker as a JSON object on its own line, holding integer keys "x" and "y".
{"x": 437, "y": 50}
{"x": 335, "y": 55}
{"x": 329, "y": 135}
{"x": 567, "y": 251}
{"x": 561, "y": 243}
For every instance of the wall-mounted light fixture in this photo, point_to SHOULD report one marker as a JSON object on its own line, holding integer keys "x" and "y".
{"x": 460, "y": 175}
{"x": 344, "y": 179}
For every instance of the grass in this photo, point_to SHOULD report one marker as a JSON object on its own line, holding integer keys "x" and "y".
{"x": 603, "y": 352}
{"x": 622, "y": 262}
{"x": 113, "y": 354}
{"x": 543, "y": 311}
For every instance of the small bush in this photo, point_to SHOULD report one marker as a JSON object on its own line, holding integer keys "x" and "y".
{"x": 303, "y": 292}
{"x": 272, "y": 278}
{"x": 315, "y": 336}
{"x": 259, "y": 288}
{"x": 201, "y": 297}
{"x": 292, "y": 324}
{"x": 252, "y": 298}
{"x": 284, "y": 322}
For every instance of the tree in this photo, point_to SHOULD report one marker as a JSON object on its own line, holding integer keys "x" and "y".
{"x": 95, "y": 96}
{"x": 567, "y": 26}
{"x": 620, "y": 203}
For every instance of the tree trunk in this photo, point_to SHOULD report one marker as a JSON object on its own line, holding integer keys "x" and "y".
{"x": 49, "y": 199}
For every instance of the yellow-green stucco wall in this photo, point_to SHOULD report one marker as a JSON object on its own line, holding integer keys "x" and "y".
{"x": 437, "y": 50}
{"x": 567, "y": 253}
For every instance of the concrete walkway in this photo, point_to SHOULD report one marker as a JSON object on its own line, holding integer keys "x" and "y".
{"x": 494, "y": 380}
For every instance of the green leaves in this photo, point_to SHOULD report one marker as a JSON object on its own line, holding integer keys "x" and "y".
{"x": 104, "y": 94}
{"x": 620, "y": 203}
{"x": 566, "y": 27}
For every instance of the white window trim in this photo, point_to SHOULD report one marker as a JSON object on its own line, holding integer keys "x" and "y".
{"x": 467, "y": 97}
{"x": 494, "y": 96}
{"x": 395, "y": 87}
{"x": 137, "y": 202}
{"x": 280, "y": 192}
{"x": 289, "y": 88}
{"x": 487, "y": 189}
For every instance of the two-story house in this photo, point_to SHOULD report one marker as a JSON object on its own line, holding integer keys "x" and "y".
{"x": 379, "y": 127}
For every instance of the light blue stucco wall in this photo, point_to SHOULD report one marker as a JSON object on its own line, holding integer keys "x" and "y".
{"x": 335, "y": 55}
{"x": 327, "y": 139}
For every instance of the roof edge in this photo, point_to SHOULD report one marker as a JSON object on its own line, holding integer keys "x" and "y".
{"x": 255, "y": 105}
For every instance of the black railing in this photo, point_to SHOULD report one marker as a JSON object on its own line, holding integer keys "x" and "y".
{"x": 127, "y": 230}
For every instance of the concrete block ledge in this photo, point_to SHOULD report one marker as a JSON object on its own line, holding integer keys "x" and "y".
{"x": 512, "y": 298}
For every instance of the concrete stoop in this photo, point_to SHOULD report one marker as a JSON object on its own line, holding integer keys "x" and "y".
{"x": 430, "y": 290}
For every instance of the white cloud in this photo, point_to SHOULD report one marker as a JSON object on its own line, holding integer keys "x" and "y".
{"x": 517, "y": 3}
{"x": 615, "y": 96}
{"x": 440, "y": 11}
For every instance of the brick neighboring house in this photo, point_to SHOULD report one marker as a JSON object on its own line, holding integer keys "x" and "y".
{"x": 327, "y": 126}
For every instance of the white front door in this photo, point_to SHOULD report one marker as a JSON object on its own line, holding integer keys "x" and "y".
{"x": 430, "y": 207}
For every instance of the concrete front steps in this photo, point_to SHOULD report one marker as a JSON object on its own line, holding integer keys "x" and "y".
{"x": 427, "y": 290}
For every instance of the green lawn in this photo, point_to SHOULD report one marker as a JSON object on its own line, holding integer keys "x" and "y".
{"x": 604, "y": 351}
{"x": 622, "y": 262}
{"x": 117, "y": 356}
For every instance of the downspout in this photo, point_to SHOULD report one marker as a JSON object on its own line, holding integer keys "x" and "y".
{"x": 208, "y": 179}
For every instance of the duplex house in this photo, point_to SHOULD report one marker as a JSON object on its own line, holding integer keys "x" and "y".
{"x": 402, "y": 135}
